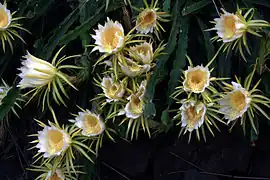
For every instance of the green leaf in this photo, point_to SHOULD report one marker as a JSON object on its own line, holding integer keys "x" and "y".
{"x": 188, "y": 9}
{"x": 180, "y": 58}
{"x": 166, "y": 5}
{"x": 157, "y": 76}
{"x": 8, "y": 102}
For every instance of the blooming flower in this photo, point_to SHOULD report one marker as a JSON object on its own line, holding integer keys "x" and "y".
{"x": 235, "y": 103}
{"x": 146, "y": 21}
{"x": 52, "y": 141}
{"x": 229, "y": 26}
{"x": 132, "y": 69}
{"x": 196, "y": 79}
{"x": 112, "y": 90}
{"x": 110, "y": 37}
{"x": 134, "y": 108}
{"x": 144, "y": 51}
{"x": 58, "y": 174}
{"x": 90, "y": 123}
{"x": 36, "y": 72}
{"x": 192, "y": 115}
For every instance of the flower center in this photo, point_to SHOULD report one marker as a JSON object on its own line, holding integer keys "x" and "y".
{"x": 55, "y": 141}
{"x": 3, "y": 19}
{"x": 136, "y": 104}
{"x": 91, "y": 124}
{"x": 143, "y": 50}
{"x": 54, "y": 177}
{"x": 111, "y": 37}
{"x": 148, "y": 18}
{"x": 193, "y": 116}
{"x": 196, "y": 79}
{"x": 238, "y": 100}
{"x": 229, "y": 23}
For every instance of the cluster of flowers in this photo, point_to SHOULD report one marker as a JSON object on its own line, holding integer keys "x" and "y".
{"x": 203, "y": 103}
{"x": 128, "y": 60}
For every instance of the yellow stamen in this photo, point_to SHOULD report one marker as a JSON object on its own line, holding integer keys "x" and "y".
{"x": 110, "y": 37}
{"x": 3, "y": 18}
{"x": 230, "y": 29}
{"x": 196, "y": 80}
{"x": 55, "y": 141}
{"x": 54, "y": 177}
{"x": 238, "y": 100}
{"x": 91, "y": 124}
{"x": 193, "y": 116}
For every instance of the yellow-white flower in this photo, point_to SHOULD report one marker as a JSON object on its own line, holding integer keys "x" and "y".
{"x": 110, "y": 37}
{"x": 112, "y": 90}
{"x": 229, "y": 26}
{"x": 134, "y": 108}
{"x": 132, "y": 69}
{"x": 144, "y": 51}
{"x": 52, "y": 141}
{"x": 90, "y": 123}
{"x": 196, "y": 79}
{"x": 36, "y": 72}
{"x": 5, "y": 17}
{"x": 235, "y": 103}
{"x": 146, "y": 21}
{"x": 58, "y": 174}
{"x": 192, "y": 115}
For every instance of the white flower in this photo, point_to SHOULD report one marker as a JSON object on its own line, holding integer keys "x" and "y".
{"x": 55, "y": 175}
{"x": 146, "y": 21}
{"x": 134, "y": 108}
{"x": 144, "y": 51}
{"x": 110, "y": 37}
{"x": 229, "y": 27}
{"x": 112, "y": 90}
{"x": 196, "y": 79}
{"x": 132, "y": 69}
{"x": 90, "y": 123}
{"x": 192, "y": 115}
{"x": 36, "y": 72}
{"x": 235, "y": 103}
{"x": 52, "y": 141}
{"x": 5, "y": 17}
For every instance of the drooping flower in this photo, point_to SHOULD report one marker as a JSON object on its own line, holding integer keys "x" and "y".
{"x": 235, "y": 103}
{"x": 144, "y": 51}
{"x": 58, "y": 174}
{"x": 112, "y": 90}
{"x": 8, "y": 27}
{"x": 133, "y": 69}
{"x": 52, "y": 141}
{"x": 196, "y": 79}
{"x": 229, "y": 26}
{"x": 134, "y": 108}
{"x": 232, "y": 29}
{"x": 110, "y": 37}
{"x": 90, "y": 123}
{"x": 149, "y": 18}
{"x": 36, "y": 72}
{"x": 45, "y": 79}
{"x": 193, "y": 115}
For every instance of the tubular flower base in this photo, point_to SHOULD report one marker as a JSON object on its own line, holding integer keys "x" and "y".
{"x": 195, "y": 115}
{"x": 59, "y": 144}
{"x": 232, "y": 29}
{"x": 133, "y": 111}
{"x": 55, "y": 171}
{"x": 45, "y": 78}
{"x": 8, "y": 27}
{"x": 149, "y": 18}
{"x": 243, "y": 102}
